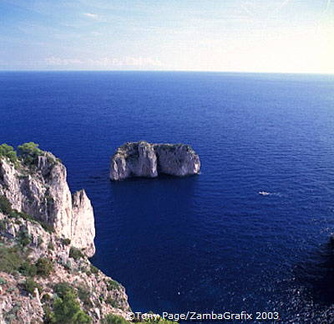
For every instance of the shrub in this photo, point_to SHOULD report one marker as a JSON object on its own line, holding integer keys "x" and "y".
{"x": 47, "y": 227}
{"x": 3, "y": 225}
{"x": 66, "y": 241}
{"x": 44, "y": 266}
{"x": 10, "y": 259}
{"x": 67, "y": 310}
{"x": 30, "y": 285}
{"x": 112, "y": 284}
{"x": 67, "y": 265}
{"x": 114, "y": 319}
{"x": 49, "y": 316}
{"x": 62, "y": 288}
{"x": 10, "y": 317}
{"x": 111, "y": 301}
{"x": 75, "y": 253}
{"x": 28, "y": 269}
{"x": 84, "y": 296}
{"x": 16, "y": 214}
{"x": 29, "y": 152}
{"x": 5, "y": 205}
{"x": 51, "y": 246}
{"x": 3, "y": 281}
{"x": 9, "y": 152}
{"x": 93, "y": 269}
{"x": 24, "y": 238}
{"x": 39, "y": 241}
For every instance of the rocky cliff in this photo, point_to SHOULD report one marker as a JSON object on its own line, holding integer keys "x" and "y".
{"x": 142, "y": 159}
{"x": 46, "y": 235}
{"x": 44, "y": 279}
{"x": 36, "y": 185}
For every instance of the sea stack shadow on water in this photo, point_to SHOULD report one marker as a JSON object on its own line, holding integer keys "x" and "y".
{"x": 143, "y": 159}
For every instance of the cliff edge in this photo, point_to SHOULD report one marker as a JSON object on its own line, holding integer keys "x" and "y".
{"x": 35, "y": 183}
{"x": 46, "y": 237}
{"x": 143, "y": 159}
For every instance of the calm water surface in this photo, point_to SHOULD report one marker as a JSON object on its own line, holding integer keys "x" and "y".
{"x": 208, "y": 242}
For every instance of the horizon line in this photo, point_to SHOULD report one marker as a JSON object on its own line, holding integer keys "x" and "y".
{"x": 178, "y": 71}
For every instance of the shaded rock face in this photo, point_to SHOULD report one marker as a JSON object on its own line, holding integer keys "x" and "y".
{"x": 178, "y": 159}
{"x": 134, "y": 159}
{"x": 142, "y": 159}
{"x": 41, "y": 190}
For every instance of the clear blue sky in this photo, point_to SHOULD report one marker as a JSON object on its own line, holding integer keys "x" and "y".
{"x": 208, "y": 35}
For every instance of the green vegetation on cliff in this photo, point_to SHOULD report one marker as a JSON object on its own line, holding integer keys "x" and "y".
{"x": 29, "y": 152}
{"x": 66, "y": 309}
{"x": 11, "y": 259}
{"x": 15, "y": 258}
{"x": 8, "y": 152}
{"x": 5, "y": 206}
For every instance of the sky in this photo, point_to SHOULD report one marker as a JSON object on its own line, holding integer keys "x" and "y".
{"x": 284, "y": 36}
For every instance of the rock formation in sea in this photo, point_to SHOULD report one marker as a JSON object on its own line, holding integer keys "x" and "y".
{"x": 46, "y": 237}
{"x": 143, "y": 159}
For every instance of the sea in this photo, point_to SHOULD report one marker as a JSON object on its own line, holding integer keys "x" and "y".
{"x": 250, "y": 233}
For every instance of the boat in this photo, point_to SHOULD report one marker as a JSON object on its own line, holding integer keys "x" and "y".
{"x": 264, "y": 193}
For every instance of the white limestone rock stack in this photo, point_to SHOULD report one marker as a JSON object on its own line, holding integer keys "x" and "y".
{"x": 41, "y": 190}
{"x": 142, "y": 159}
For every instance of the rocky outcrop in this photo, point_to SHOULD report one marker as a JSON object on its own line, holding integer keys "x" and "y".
{"x": 27, "y": 296}
{"x": 39, "y": 188}
{"x": 83, "y": 227}
{"x": 46, "y": 237}
{"x": 142, "y": 159}
{"x": 177, "y": 159}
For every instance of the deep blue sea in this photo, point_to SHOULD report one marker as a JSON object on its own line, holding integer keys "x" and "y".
{"x": 207, "y": 242}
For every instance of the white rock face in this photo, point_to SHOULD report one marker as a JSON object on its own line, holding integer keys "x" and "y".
{"x": 42, "y": 191}
{"x": 83, "y": 227}
{"x": 134, "y": 159}
{"x": 142, "y": 159}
